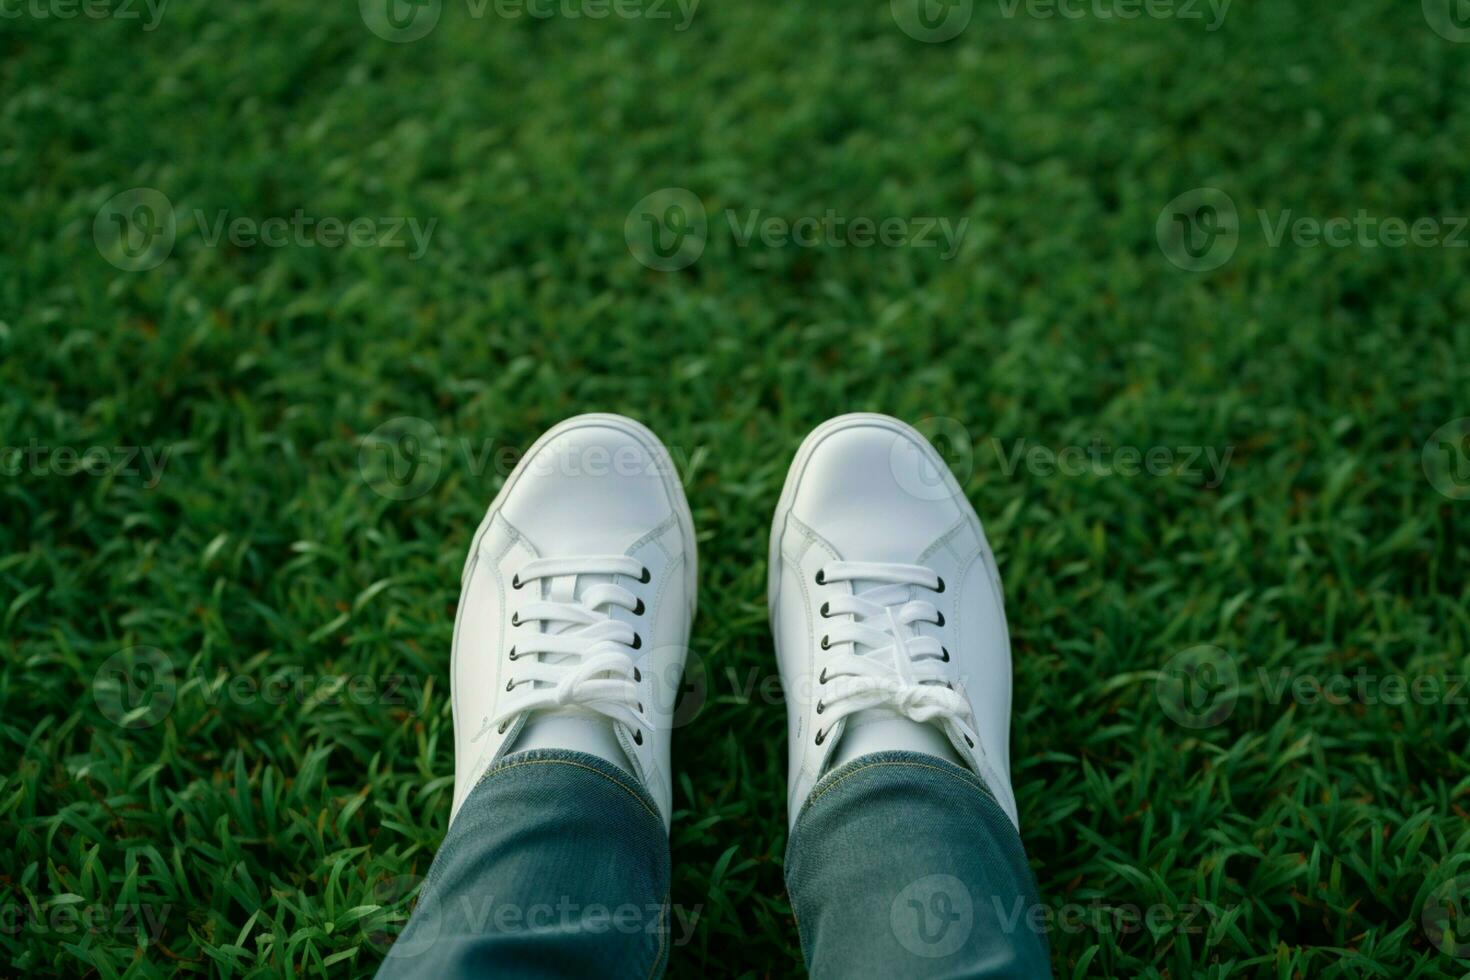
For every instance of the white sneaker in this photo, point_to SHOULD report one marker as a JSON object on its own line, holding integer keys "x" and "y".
{"x": 575, "y": 608}
{"x": 886, "y": 609}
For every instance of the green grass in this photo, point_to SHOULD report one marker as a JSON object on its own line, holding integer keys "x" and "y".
{"x": 260, "y": 835}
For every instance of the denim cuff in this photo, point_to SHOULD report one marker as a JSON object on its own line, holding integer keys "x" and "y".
{"x": 836, "y": 779}
{"x": 615, "y": 774}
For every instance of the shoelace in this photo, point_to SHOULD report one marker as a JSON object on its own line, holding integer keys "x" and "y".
{"x": 897, "y": 668}
{"x": 595, "y": 669}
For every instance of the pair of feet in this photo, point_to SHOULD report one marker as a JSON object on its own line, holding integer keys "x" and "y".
{"x": 579, "y": 593}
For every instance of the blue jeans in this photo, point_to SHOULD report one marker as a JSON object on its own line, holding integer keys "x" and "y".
{"x": 900, "y": 865}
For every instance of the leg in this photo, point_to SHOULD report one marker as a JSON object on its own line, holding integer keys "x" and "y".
{"x": 890, "y": 632}
{"x": 569, "y": 644}
{"x": 903, "y": 865}
{"x": 526, "y": 885}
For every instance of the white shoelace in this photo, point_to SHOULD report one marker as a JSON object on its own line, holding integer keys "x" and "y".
{"x": 887, "y": 663}
{"x": 594, "y": 668}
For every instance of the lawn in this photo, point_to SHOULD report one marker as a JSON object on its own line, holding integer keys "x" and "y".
{"x": 1217, "y": 436}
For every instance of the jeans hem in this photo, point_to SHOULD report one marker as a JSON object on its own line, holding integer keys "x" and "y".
{"x": 874, "y": 760}
{"x": 614, "y": 774}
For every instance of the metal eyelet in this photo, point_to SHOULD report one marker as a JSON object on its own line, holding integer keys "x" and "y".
{"x": 637, "y": 642}
{"x": 638, "y": 737}
{"x": 638, "y": 609}
{"x": 941, "y": 620}
{"x": 940, "y": 587}
{"x": 821, "y": 736}
{"x": 821, "y": 576}
{"x": 826, "y": 643}
{"x": 646, "y": 577}
{"x": 826, "y": 609}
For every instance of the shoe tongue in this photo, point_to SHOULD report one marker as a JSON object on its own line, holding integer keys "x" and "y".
{"x": 568, "y": 589}
{"x": 884, "y": 730}
{"x": 859, "y": 586}
{"x": 572, "y": 725}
